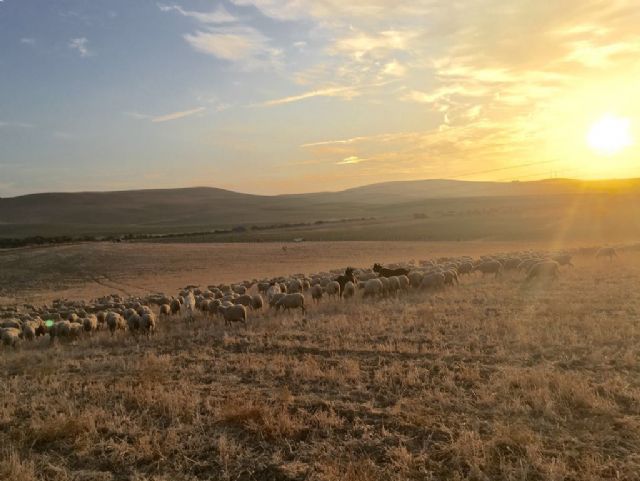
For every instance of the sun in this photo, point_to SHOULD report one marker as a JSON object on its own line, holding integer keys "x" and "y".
{"x": 610, "y": 135}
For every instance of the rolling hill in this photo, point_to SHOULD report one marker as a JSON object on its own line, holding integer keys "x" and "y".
{"x": 206, "y": 208}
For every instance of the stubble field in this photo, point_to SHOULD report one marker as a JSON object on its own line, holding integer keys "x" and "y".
{"x": 492, "y": 380}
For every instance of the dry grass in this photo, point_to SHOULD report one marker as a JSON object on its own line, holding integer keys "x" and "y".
{"x": 494, "y": 380}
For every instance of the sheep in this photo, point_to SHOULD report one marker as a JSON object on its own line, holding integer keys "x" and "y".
{"x": 451, "y": 277}
{"x": 433, "y": 281}
{"x": 189, "y": 305}
{"x": 404, "y": 282}
{"x": 115, "y": 322}
{"x": 563, "y": 259}
{"x": 273, "y": 289}
{"x": 415, "y": 278}
{"x": 134, "y": 322}
{"x": 11, "y": 323}
{"x": 275, "y": 298}
{"x": 609, "y": 252}
{"x": 385, "y": 285}
{"x": 214, "y": 306}
{"x": 257, "y": 303}
{"x": 165, "y": 309}
{"x": 234, "y": 313}
{"x": 372, "y": 288}
{"x": 263, "y": 287}
{"x": 101, "y": 317}
{"x": 511, "y": 263}
{"x": 294, "y": 286}
{"x": 239, "y": 290}
{"x": 349, "y": 290}
{"x": 333, "y": 289}
{"x": 316, "y": 293}
{"x": 10, "y": 336}
{"x": 244, "y": 299}
{"x": 65, "y": 330}
{"x": 544, "y": 269}
{"x": 291, "y": 301}
{"x": 489, "y": 267}
{"x": 393, "y": 285}
{"x": 175, "y": 306}
{"x": 465, "y": 268}
{"x": 90, "y": 323}
{"x": 28, "y": 331}
{"x": 148, "y": 323}
{"x": 526, "y": 264}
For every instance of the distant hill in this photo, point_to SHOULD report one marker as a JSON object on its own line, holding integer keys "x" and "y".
{"x": 206, "y": 208}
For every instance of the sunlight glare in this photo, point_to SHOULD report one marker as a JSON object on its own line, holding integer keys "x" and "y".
{"x": 610, "y": 135}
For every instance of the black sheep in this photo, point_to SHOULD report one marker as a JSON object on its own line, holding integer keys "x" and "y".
{"x": 384, "y": 272}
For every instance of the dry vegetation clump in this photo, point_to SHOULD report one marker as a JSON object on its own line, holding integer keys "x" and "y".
{"x": 493, "y": 380}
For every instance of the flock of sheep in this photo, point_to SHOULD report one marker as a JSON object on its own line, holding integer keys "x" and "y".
{"x": 66, "y": 320}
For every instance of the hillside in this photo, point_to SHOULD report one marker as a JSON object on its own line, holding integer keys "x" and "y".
{"x": 164, "y": 211}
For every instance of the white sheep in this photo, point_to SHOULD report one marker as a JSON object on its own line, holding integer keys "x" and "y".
{"x": 332, "y": 289}
{"x": 432, "y": 281}
{"x": 291, "y": 301}
{"x": 372, "y": 288}
{"x": 349, "y": 290}
{"x": 273, "y": 290}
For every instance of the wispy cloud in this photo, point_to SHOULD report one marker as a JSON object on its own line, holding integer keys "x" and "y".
{"x": 345, "y": 92}
{"x": 166, "y": 117}
{"x": 219, "y": 15}
{"x": 242, "y": 45}
{"x": 28, "y": 40}
{"x": 81, "y": 46}
{"x": 178, "y": 115}
{"x": 352, "y": 159}
{"x": 18, "y": 125}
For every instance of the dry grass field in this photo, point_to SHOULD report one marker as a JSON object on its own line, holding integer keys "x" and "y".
{"x": 492, "y": 380}
{"x": 88, "y": 270}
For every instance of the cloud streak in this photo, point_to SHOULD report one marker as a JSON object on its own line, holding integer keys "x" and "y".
{"x": 219, "y": 15}
{"x": 166, "y": 117}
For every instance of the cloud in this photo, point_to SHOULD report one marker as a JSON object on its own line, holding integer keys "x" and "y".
{"x": 219, "y": 15}
{"x": 28, "y": 41}
{"x": 345, "y": 92}
{"x": 328, "y": 10}
{"x": 166, "y": 117}
{"x": 352, "y": 159}
{"x": 177, "y": 115}
{"x": 239, "y": 44}
{"x": 379, "y": 44}
{"x": 80, "y": 45}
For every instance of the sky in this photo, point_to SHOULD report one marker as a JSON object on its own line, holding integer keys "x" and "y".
{"x": 284, "y": 96}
